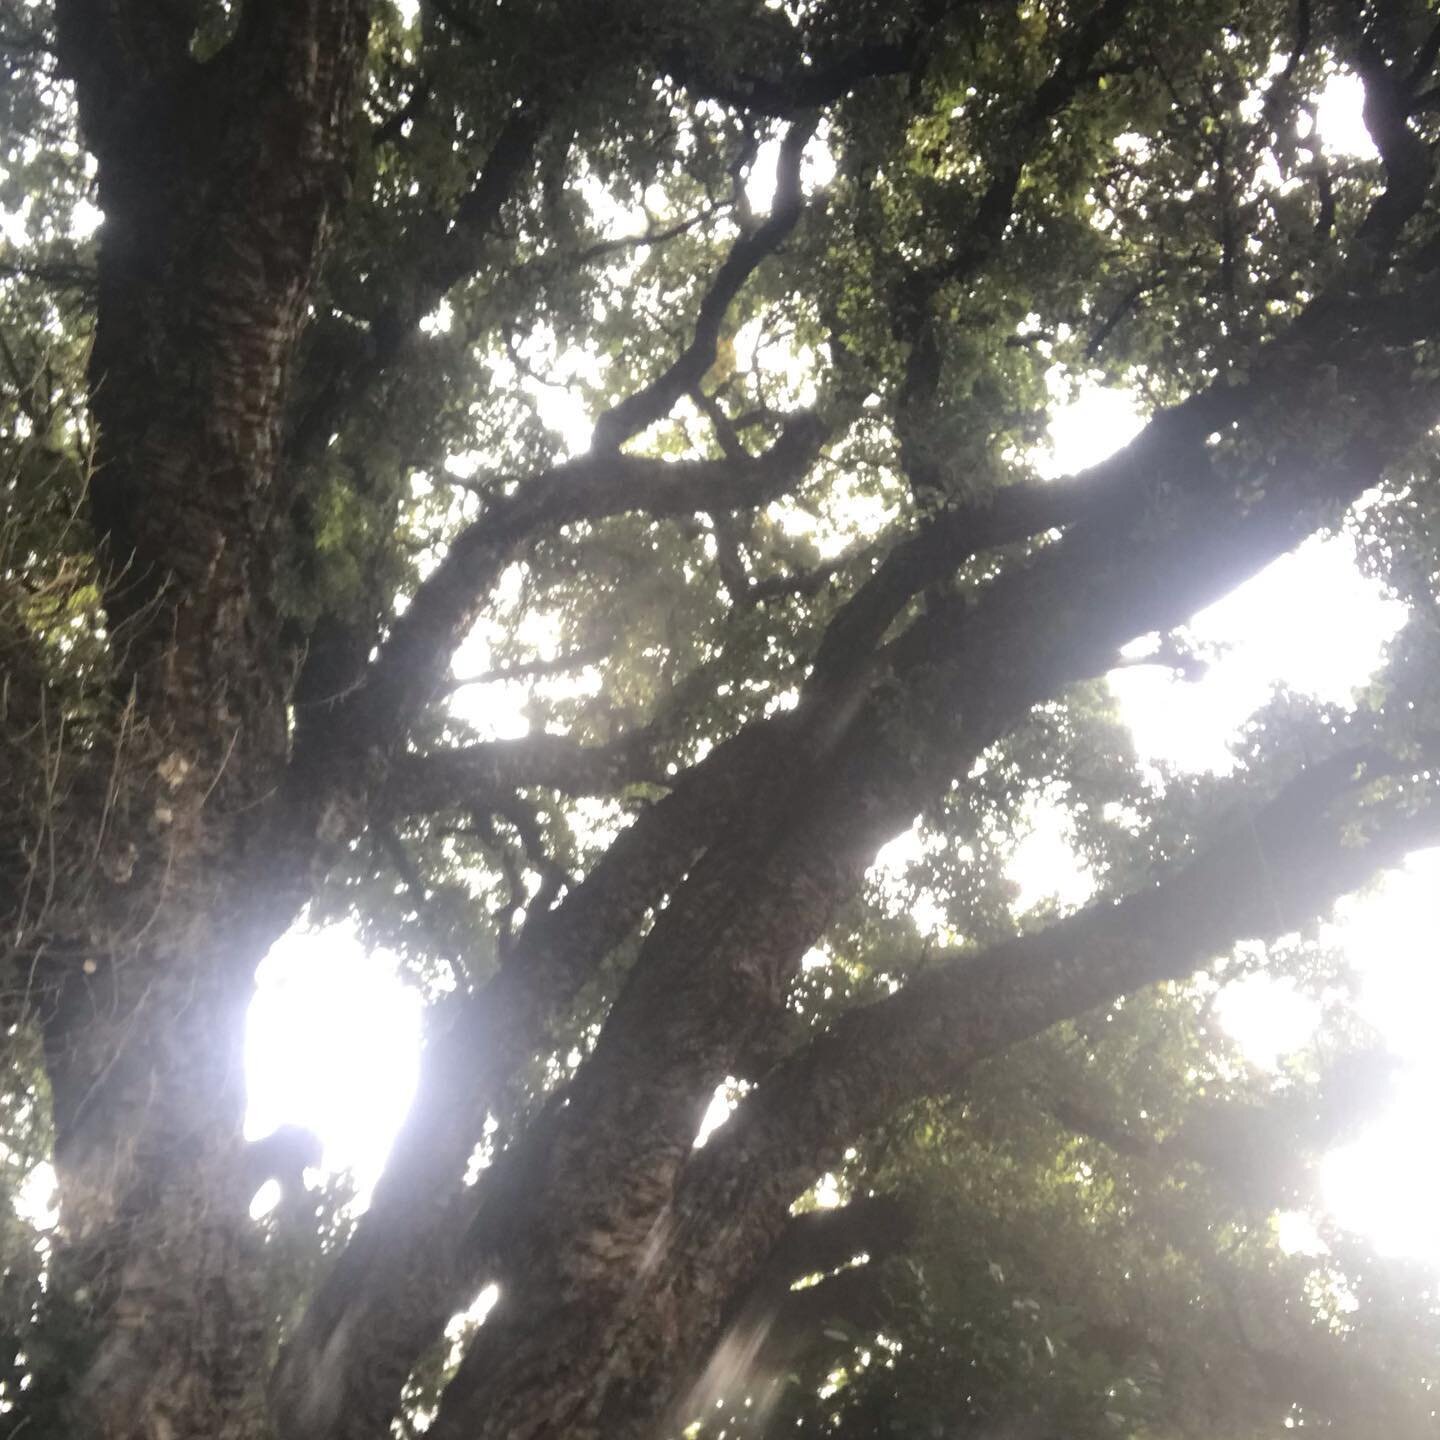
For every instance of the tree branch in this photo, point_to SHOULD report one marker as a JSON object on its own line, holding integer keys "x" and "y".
{"x": 822, "y": 802}
{"x": 395, "y": 1286}
{"x": 803, "y": 88}
{"x": 483, "y": 776}
{"x": 533, "y": 669}
{"x": 1172, "y": 451}
{"x": 1266, "y": 875}
{"x": 437, "y": 269}
{"x": 1012, "y": 514}
{"x": 716, "y": 961}
{"x": 1256, "y": 1151}
{"x": 914, "y": 323}
{"x": 1408, "y": 161}
{"x": 642, "y": 409}
{"x": 410, "y": 667}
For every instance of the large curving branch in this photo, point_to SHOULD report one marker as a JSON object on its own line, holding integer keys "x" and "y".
{"x": 1269, "y": 872}
{"x": 485, "y": 774}
{"x": 1119, "y": 573}
{"x": 410, "y": 667}
{"x": 1272, "y": 871}
{"x": 722, "y": 951}
{"x": 401, "y": 1278}
{"x": 1329, "y": 348}
{"x": 1174, "y": 437}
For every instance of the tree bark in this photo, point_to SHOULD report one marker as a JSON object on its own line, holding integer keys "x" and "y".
{"x": 607, "y": 1331}
{"x": 217, "y": 180}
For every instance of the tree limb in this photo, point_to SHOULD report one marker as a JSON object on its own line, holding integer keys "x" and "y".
{"x": 410, "y": 667}
{"x": 533, "y": 669}
{"x": 484, "y": 775}
{"x": 401, "y": 1278}
{"x": 803, "y": 88}
{"x": 721, "y": 953}
{"x": 439, "y": 267}
{"x": 642, "y": 409}
{"x": 1269, "y": 873}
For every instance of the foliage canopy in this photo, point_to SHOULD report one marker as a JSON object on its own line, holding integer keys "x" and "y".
{"x": 447, "y": 486}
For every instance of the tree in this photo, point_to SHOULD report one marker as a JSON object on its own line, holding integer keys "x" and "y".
{"x": 1039, "y": 1261}
{"x": 277, "y": 445}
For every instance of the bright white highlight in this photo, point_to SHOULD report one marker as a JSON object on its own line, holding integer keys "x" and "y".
{"x": 333, "y": 1044}
{"x": 1088, "y": 429}
{"x": 817, "y": 170}
{"x": 475, "y": 1314}
{"x": 1340, "y": 118}
{"x": 1385, "y": 1182}
{"x": 1267, "y": 1017}
{"x": 1044, "y": 865}
{"x": 1310, "y": 622}
{"x": 716, "y": 1114}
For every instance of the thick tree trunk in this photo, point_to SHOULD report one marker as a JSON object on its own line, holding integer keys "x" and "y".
{"x": 216, "y": 180}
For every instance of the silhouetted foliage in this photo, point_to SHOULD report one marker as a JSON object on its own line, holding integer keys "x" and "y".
{"x": 558, "y": 487}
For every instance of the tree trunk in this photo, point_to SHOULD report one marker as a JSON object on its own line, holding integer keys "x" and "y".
{"x": 217, "y": 179}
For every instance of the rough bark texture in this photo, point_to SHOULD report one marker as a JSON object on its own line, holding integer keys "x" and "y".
{"x": 217, "y": 180}
{"x": 238, "y": 770}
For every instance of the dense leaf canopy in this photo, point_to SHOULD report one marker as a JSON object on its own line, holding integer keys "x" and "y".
{"x": 558, "y": 487}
